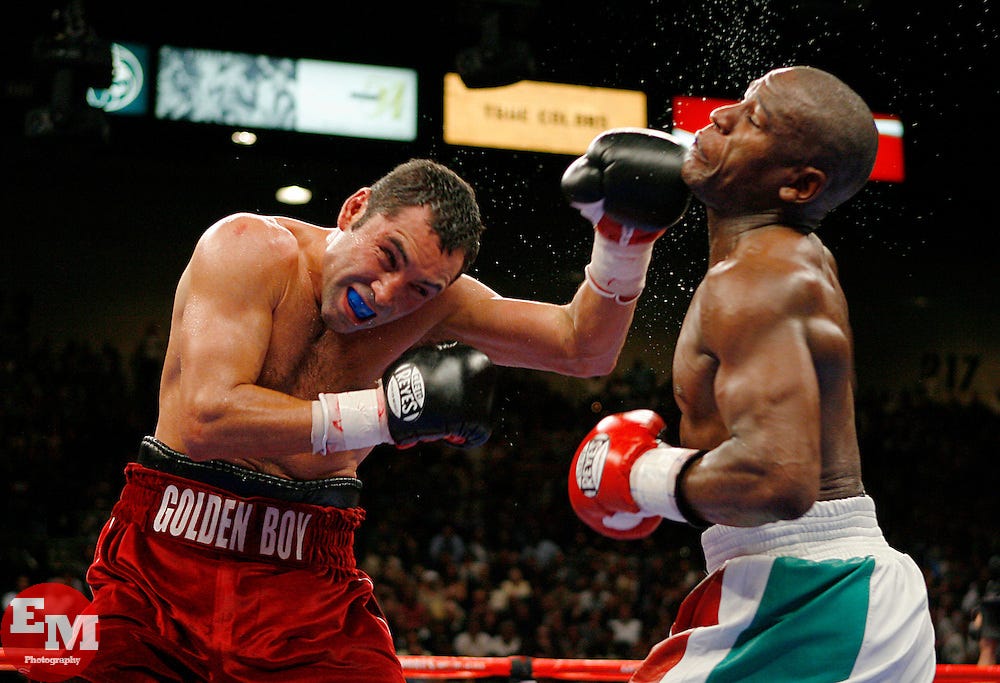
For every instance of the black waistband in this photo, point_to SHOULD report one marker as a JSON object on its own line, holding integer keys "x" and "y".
{"x": 338, "y": 492}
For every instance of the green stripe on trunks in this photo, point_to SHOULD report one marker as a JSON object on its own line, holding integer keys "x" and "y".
{"x": 809, "y": 625}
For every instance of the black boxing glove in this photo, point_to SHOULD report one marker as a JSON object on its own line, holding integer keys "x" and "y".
{"x": 636, "y": 174}
{"x": 443, "y": 391}
{"x": 628, "y": 185}
{"x": 435, "y": 392}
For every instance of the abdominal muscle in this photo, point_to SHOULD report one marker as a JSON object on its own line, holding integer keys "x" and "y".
{"x": 309, "y": 466}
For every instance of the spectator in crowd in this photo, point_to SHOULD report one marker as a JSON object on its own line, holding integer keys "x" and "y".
{"x": 989, "y": 615}
{"x": 447, "y": 545}
{"x": 908, "y": 439}
{"x": 626, "y": 630}
{"x": 514, "y": 587}
{"x": 473, "y": 641}
{"x": 508, "y": 640}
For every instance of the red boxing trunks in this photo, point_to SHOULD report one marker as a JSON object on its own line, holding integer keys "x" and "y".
{"x": 196, "y": 582}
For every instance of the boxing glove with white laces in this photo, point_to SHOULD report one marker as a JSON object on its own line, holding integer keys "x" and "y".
{"x": 436, "y": 392}
{"x": 628, "y": 185}
{"x": 624, "y": 481}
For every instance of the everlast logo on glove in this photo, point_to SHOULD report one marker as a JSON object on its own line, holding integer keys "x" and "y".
{"x": 590, "y": 465}
{"x": 404, "y": 392}
{"x": 439, "y": 392}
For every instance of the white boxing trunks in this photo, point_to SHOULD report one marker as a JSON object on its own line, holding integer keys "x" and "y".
{"x": 818, "y": 599}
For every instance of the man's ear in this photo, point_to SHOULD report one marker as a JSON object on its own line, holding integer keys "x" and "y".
{"x": 804, "y": 186}
{"x": 353, "y": 208}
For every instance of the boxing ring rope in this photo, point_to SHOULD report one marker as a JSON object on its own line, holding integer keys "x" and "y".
{"x": 516, "y": 668}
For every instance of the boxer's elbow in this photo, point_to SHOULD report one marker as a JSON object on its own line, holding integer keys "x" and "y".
{"x": 567, "y": 360}
{"x": 755, "y": 505}
{"x": 781, "y": 476}
{"x": 199, "y": 444}
{"x": 756, "y": 491}
{"x": 580, "y": 363}
{"x": 203, "y": 428}
{"x": 787, "y": 497}
{"x": 595, "y": 367}
{"x": 790, "y": 503}
{"x": 198, "y": 448}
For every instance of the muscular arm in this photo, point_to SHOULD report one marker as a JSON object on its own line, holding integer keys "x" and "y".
{"x": 221, "y": 331}
{"x": 768, "y": 397}
{"x": 628, "y": 187}
{"x": 582, "y": 338}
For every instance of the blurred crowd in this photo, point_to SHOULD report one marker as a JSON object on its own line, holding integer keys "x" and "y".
{"x": 477, "y": 552}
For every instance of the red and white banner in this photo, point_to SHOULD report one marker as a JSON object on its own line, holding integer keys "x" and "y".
{"x": 692, "y": 113}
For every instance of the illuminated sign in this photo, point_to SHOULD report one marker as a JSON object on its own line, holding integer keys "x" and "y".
{"x": 303, "y": 95}
{"x": 692, "y": 113}
{"x": 534, "y": 116}
{"x": 358, "y": 100}
{"x": 889, "y": 159}
{"x": 129, "y": 91}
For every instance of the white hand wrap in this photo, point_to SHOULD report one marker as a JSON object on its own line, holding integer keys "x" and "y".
{"x": 617, "y": 268}
{"x": 653, "y": 480}
{"x": 349, "y": 420}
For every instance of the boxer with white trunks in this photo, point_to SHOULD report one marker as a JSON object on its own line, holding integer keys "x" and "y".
{"x": 802, "y": 584}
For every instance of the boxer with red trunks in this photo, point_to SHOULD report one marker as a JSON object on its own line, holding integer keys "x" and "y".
{"x": 294, "y": 350}
{"x": 802, "y": 584}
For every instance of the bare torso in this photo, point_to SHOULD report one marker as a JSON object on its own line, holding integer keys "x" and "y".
{"x": 251, "y": 345}
{"x": 796, "y": 279}
{"x": 303, "y": 358}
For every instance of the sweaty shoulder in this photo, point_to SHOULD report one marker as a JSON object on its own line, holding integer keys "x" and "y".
{"x": 772, "y": 274}
{"x": 247, "y": 251}
{"x": 240, "y": 233}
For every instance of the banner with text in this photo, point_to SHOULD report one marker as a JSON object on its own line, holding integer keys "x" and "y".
{"x": 535, "y": 116}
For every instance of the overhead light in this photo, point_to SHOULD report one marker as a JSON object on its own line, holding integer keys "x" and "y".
{"x": 244, "y": 137}
{"x": 293, "y": 194}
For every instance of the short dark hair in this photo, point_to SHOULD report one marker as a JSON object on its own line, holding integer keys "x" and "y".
{"x": 455, "y": 213}
{"x": 843, "y": 135}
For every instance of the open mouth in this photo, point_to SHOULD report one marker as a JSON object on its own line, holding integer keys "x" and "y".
{"x": 358, "y": 306}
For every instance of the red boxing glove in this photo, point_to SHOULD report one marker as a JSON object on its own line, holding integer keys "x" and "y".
{"x": 624, "y": 481}
{"x": 599, "y": 488}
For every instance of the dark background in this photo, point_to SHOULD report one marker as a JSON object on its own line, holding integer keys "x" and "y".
{"x": 95, "y": 233}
